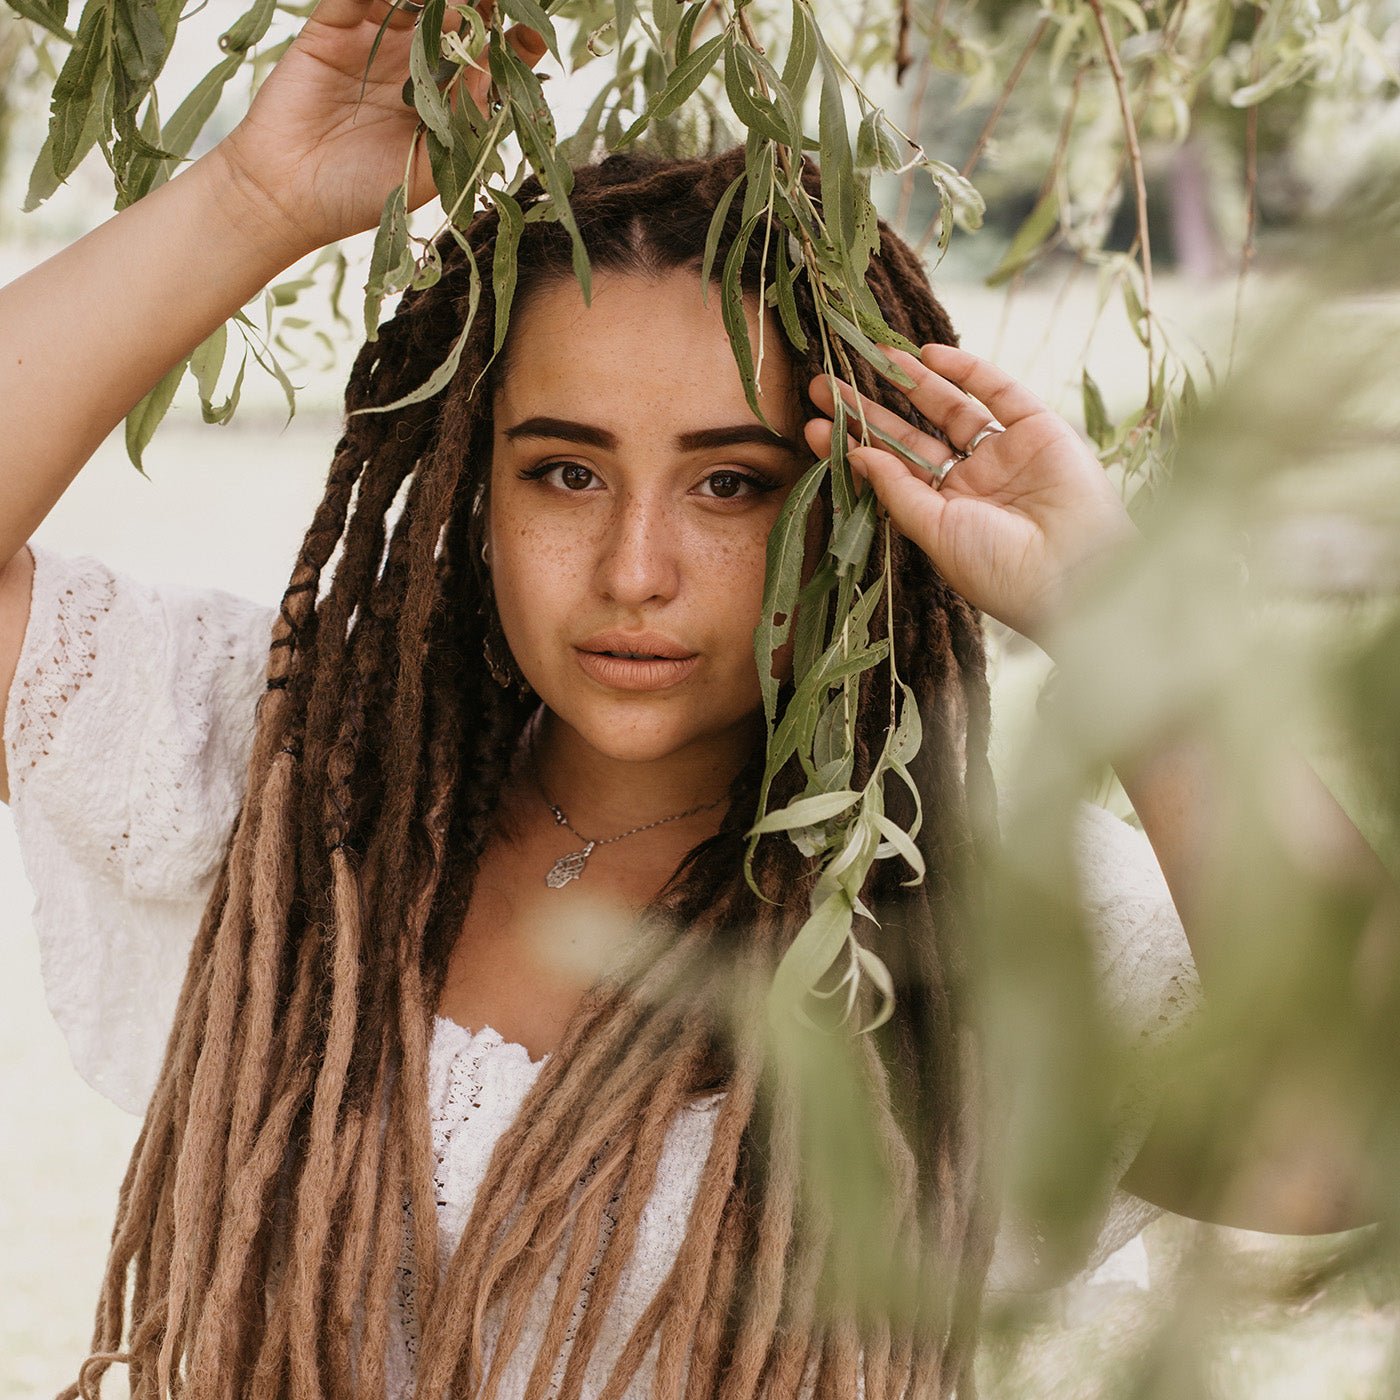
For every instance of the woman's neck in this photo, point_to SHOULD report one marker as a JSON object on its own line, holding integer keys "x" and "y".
{"x": 601, "y": 795}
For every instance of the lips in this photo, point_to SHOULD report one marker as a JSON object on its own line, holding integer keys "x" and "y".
{"x": 635, "y": 660}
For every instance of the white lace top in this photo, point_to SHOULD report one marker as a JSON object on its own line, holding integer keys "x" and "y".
{"x": 127, "y": 731}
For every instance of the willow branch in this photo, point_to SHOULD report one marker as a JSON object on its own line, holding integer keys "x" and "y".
{"x": 1007, "y": 89}
{"x": 916, "y": 107}
{"x": 1130, "y": 137}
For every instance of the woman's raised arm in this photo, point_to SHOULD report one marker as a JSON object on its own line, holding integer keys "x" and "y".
{"x": 1011, "y": 520}
{"x": 84, "y": 336}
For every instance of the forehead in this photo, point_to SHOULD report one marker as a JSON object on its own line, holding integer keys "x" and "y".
{"x": 646, "y": 350}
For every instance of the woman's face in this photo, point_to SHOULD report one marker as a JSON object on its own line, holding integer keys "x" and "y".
{"x": 632, "y": 492}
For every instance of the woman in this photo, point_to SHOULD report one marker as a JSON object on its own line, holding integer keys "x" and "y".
{"x": 393, "y": 1142}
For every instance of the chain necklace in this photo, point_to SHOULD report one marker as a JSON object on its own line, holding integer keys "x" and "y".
{"x": 570, "y": 867}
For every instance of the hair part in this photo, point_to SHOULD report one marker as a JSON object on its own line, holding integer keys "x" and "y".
{"x": 261, "y": 1224}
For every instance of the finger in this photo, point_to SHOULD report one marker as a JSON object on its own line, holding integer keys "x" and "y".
{"x": 1007, "y": 398}
{"x": 886, "y": 428}
{"x": 957, "y": 416}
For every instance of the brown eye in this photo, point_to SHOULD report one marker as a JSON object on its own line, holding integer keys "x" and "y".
{"x": 574, "y": 476}
{"x": 726, "y": 485}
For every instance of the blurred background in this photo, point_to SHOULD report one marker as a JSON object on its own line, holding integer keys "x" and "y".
{"x": 1232, "y": 356}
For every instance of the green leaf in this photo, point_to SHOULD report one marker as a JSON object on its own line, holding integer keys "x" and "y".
{"x": 424, "y": 59}
{"x": 736, "y": 321}
{"x": 533, "y": 15}
{"x": 815, "y": 948}
{"x": 859, "y": 341}
{"x": 685, "y": 78}
{"x": 505, "y": 261}
{"x": 144, "y": 419}
{"x": 716, "y": 230}
{"x": 207, "y": 362}
{"x": 897, "y": 842}
{"x": 838, "y": 169}
{"x": 535, "y": 127}
{"x": 442, "y": 376}
{"x": 785, "y": 297}
{"x": 755, "y": 112}
{"x": 48, "y": 14}
{"x": 75, "y": 91}
{"x": 876, "y": 146}
{"x": 390, "y": 244}
{"x": 806, "y": 811}
{"x": 802, "y": 55}
{"x": 850, "y": 544}
{"x": 686, "y": 33}
{"x": 1040, "y": 223}
{"x": 1096, "y": 422}
{"x": 188, "y": 119}
{"x": 249, "y": 28}
{"x": 787, "y": 550}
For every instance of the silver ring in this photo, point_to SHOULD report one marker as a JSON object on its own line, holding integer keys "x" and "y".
{"x": 409, "y": 7}
{"x": 991, "y": 430}
{"x": 941, "y": 472}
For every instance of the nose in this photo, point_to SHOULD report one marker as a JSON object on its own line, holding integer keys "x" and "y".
{"x": 638, "y": 554}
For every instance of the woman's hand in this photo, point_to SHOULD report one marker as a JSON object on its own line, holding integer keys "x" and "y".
{"x": 323, "y": 143}
{"x": 1016, "y": 518}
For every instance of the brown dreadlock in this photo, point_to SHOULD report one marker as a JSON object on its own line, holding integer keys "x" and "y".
{"x": 262, "y": 1219}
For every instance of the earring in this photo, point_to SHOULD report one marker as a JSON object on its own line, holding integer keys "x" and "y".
{"x": 499, "y": 662}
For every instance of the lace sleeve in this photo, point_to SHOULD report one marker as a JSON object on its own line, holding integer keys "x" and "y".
{"x": 127, "y": 731}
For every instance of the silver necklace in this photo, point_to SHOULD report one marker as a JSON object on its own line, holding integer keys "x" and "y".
{"x": 570, "y": 867}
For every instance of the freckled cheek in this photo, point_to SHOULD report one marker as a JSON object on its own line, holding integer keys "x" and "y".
{"x": 537, "y": 574}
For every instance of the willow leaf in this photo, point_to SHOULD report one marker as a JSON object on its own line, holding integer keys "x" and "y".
{"x": 505, "y": 261}
{"x": 685, "y": 35}
{"x": 735, "y": 316}
{"x": 442, "y": 376}
{"x": 424, "y": 58}
{"x": 878, "y": 975}
{"x": 802, "y": 55}
{"x": 50, "y": 16}
{"x": 76, "y": 89}
{"x": 806, "y": 811}
{"x": 207, "y": 362}
{"x": 813, "y": 612}
{"x": 534, "y": 16}
{"x": 716, "y": 230}
{"x": 249, "y": 28}
{"x": 144, "y": 419}
{"x": 838, "y": 169}
{"x": 666, "y": 15}
{"x": 685, "y": 78}
{"x": 390, "y": 243}
{"x": 815, "y": 948}
{"x": 755, "y": 112}
{"x": 188, "y": 119}
{"x": 862, "y": 343}
{"x": 897, "y": 842}
{"x": 787, "y": 549}
{"x": 785, "y": 297}
{"x": 535, "y": 127}
{"x": 850, "y": 545}
{"x": 1039, "y": 224}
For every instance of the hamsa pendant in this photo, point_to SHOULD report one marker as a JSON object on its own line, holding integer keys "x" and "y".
{"x": 568, "y": 867}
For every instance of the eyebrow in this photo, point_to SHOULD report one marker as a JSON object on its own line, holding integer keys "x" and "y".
{"x": 590, "y": 435}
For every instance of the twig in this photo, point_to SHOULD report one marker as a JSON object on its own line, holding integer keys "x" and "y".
{"x": 970, "y": 164}
{"x": 916, "y": 105}
{"x": 1130, "y": 137}
{"x": 903, "y": 56}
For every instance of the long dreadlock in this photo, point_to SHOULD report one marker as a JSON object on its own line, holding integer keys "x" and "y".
{"x": 291, "y": 1114}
